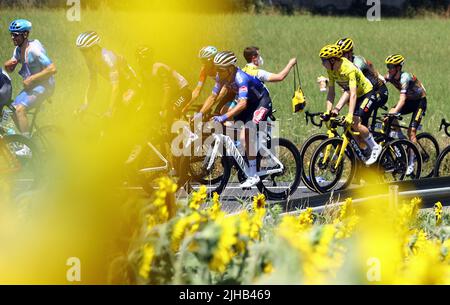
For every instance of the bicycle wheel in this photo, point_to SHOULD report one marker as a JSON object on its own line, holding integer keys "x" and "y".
{"x": 215, "y": 179}
{"x": 280, "y": 186}
{"x": 429, "y": 149}
{"x": 306, "y": 152}
{"x": 442, "y": 168}
{"x": 325, "y": 174}
{"x": 47, "y": 138}
{"x": 395, "y": 159}
{"x": 26, "y": 176}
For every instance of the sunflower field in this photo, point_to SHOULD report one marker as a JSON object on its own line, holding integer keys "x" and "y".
{"x": 195, "y": 242}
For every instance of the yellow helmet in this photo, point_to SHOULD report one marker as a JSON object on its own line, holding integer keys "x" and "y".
{"x": 395, "y": 59}
{"x": 330, "y": 51}
{"x": 346, "y": 44}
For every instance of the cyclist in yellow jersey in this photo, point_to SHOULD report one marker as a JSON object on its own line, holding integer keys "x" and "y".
{"x": 360, "y": 93}
{"x": 254, "y": 62}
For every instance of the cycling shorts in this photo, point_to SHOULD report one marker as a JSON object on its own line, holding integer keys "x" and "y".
{"x": 418, "y": 109}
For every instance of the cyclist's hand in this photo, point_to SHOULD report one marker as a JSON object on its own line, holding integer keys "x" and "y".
{"x": 220, "y": 118}
{"x": 349, "y": 119}
{"x": 334, "y": 112}
{"x": 27, "y": 83}
{"x": 293, "y": 62}
{"x": 325, "y": 116}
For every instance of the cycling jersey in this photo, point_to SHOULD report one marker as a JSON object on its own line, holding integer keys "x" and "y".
{"x": 244, "y": 85}
{"x": 253, "y": 70}
{"x": 5, "y": 88}
{"x": 34, "y": 61}
{"x": 369, "y": 72}
{"x": 250, "y": 88}
{"x": 204, "y": 73}
{"x": 170, "y": 78}
{"x": 349, "y": 76}
{"x": 114, "y": 68}
{"x": 408, "y": 84}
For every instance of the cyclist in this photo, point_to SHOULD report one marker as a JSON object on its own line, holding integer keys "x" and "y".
{"x": 253, "y": 104}
{"x": 164, "y": 82}
{"x": 412, "y": 97}
{"x": 110, "y": 66}
{"x": 254, "y": 61}
{"x": 359, "y": 91}
{"x": 206, "y": 56}
{"x": 376, "y": 79}
{"x": 37, "y": 72}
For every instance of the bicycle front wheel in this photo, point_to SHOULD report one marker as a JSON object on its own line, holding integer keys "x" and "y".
{"x": 306, "y": 153}
{"x": 429, "y": 150}
{"x": 400, "y": 160}
{"x": 443, "y": 163}
{"x": 327, "y": 171}
{"x": 281, "y": 185}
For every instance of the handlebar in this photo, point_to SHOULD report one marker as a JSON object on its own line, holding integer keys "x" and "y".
{"x": 313, "y": 116}
{"x": 445, "y": 125}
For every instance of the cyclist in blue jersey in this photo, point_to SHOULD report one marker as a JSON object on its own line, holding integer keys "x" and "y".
{"x": 37, "y": 72}
{"x": 253, "y": 103}
{"x": 110, "y": 66}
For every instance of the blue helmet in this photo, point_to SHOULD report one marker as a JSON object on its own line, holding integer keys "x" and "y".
{"x": 20, "y": 26}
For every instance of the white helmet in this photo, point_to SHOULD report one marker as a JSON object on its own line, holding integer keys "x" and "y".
{"x": 225, "y": 59}
{"x": 207, "y": 52}
{"x": 87, "y": 39}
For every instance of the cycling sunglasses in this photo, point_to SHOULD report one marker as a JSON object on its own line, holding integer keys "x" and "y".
{"x": 16, "y": 34}
{"x": 391, "y": 66}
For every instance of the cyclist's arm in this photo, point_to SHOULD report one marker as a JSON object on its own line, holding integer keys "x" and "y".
{"x": 352, "y": 101}
{"x": 330, "y": 97}
{"x": 218, "y": 91}
{"x": 45, "y": 74}
{"x": 10, "y": 65}
{"x": 343, "y": 100}
{"x": 241, "y": 105}
{"x": 200, "y": 85}
{"x": 353, "y": 91}
{"x": 400, "y": 104}
{"x": 91, "y": 87}
{"x": 49, "y": 67}
{"x": 280, "y": 76}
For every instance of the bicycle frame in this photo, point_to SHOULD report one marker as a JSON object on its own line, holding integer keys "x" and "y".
{"x": 347, "y": 138}
{"x": 231, "y": 150}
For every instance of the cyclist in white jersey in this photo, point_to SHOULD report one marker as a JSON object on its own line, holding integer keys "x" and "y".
{"x": 110, "y": 66}
{"x": 37, "y": 72}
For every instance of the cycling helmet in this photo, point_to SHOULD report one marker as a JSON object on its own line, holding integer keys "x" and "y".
{"x": 87, "y": 39}
{"x": 330, "y": 51}
{"x": 395, "y": 59}
{"x": 207, "y": 52}
{"x": 346, "y": 44}
{"x": 20, "y": 26}
{"x": 225, "y": 59}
